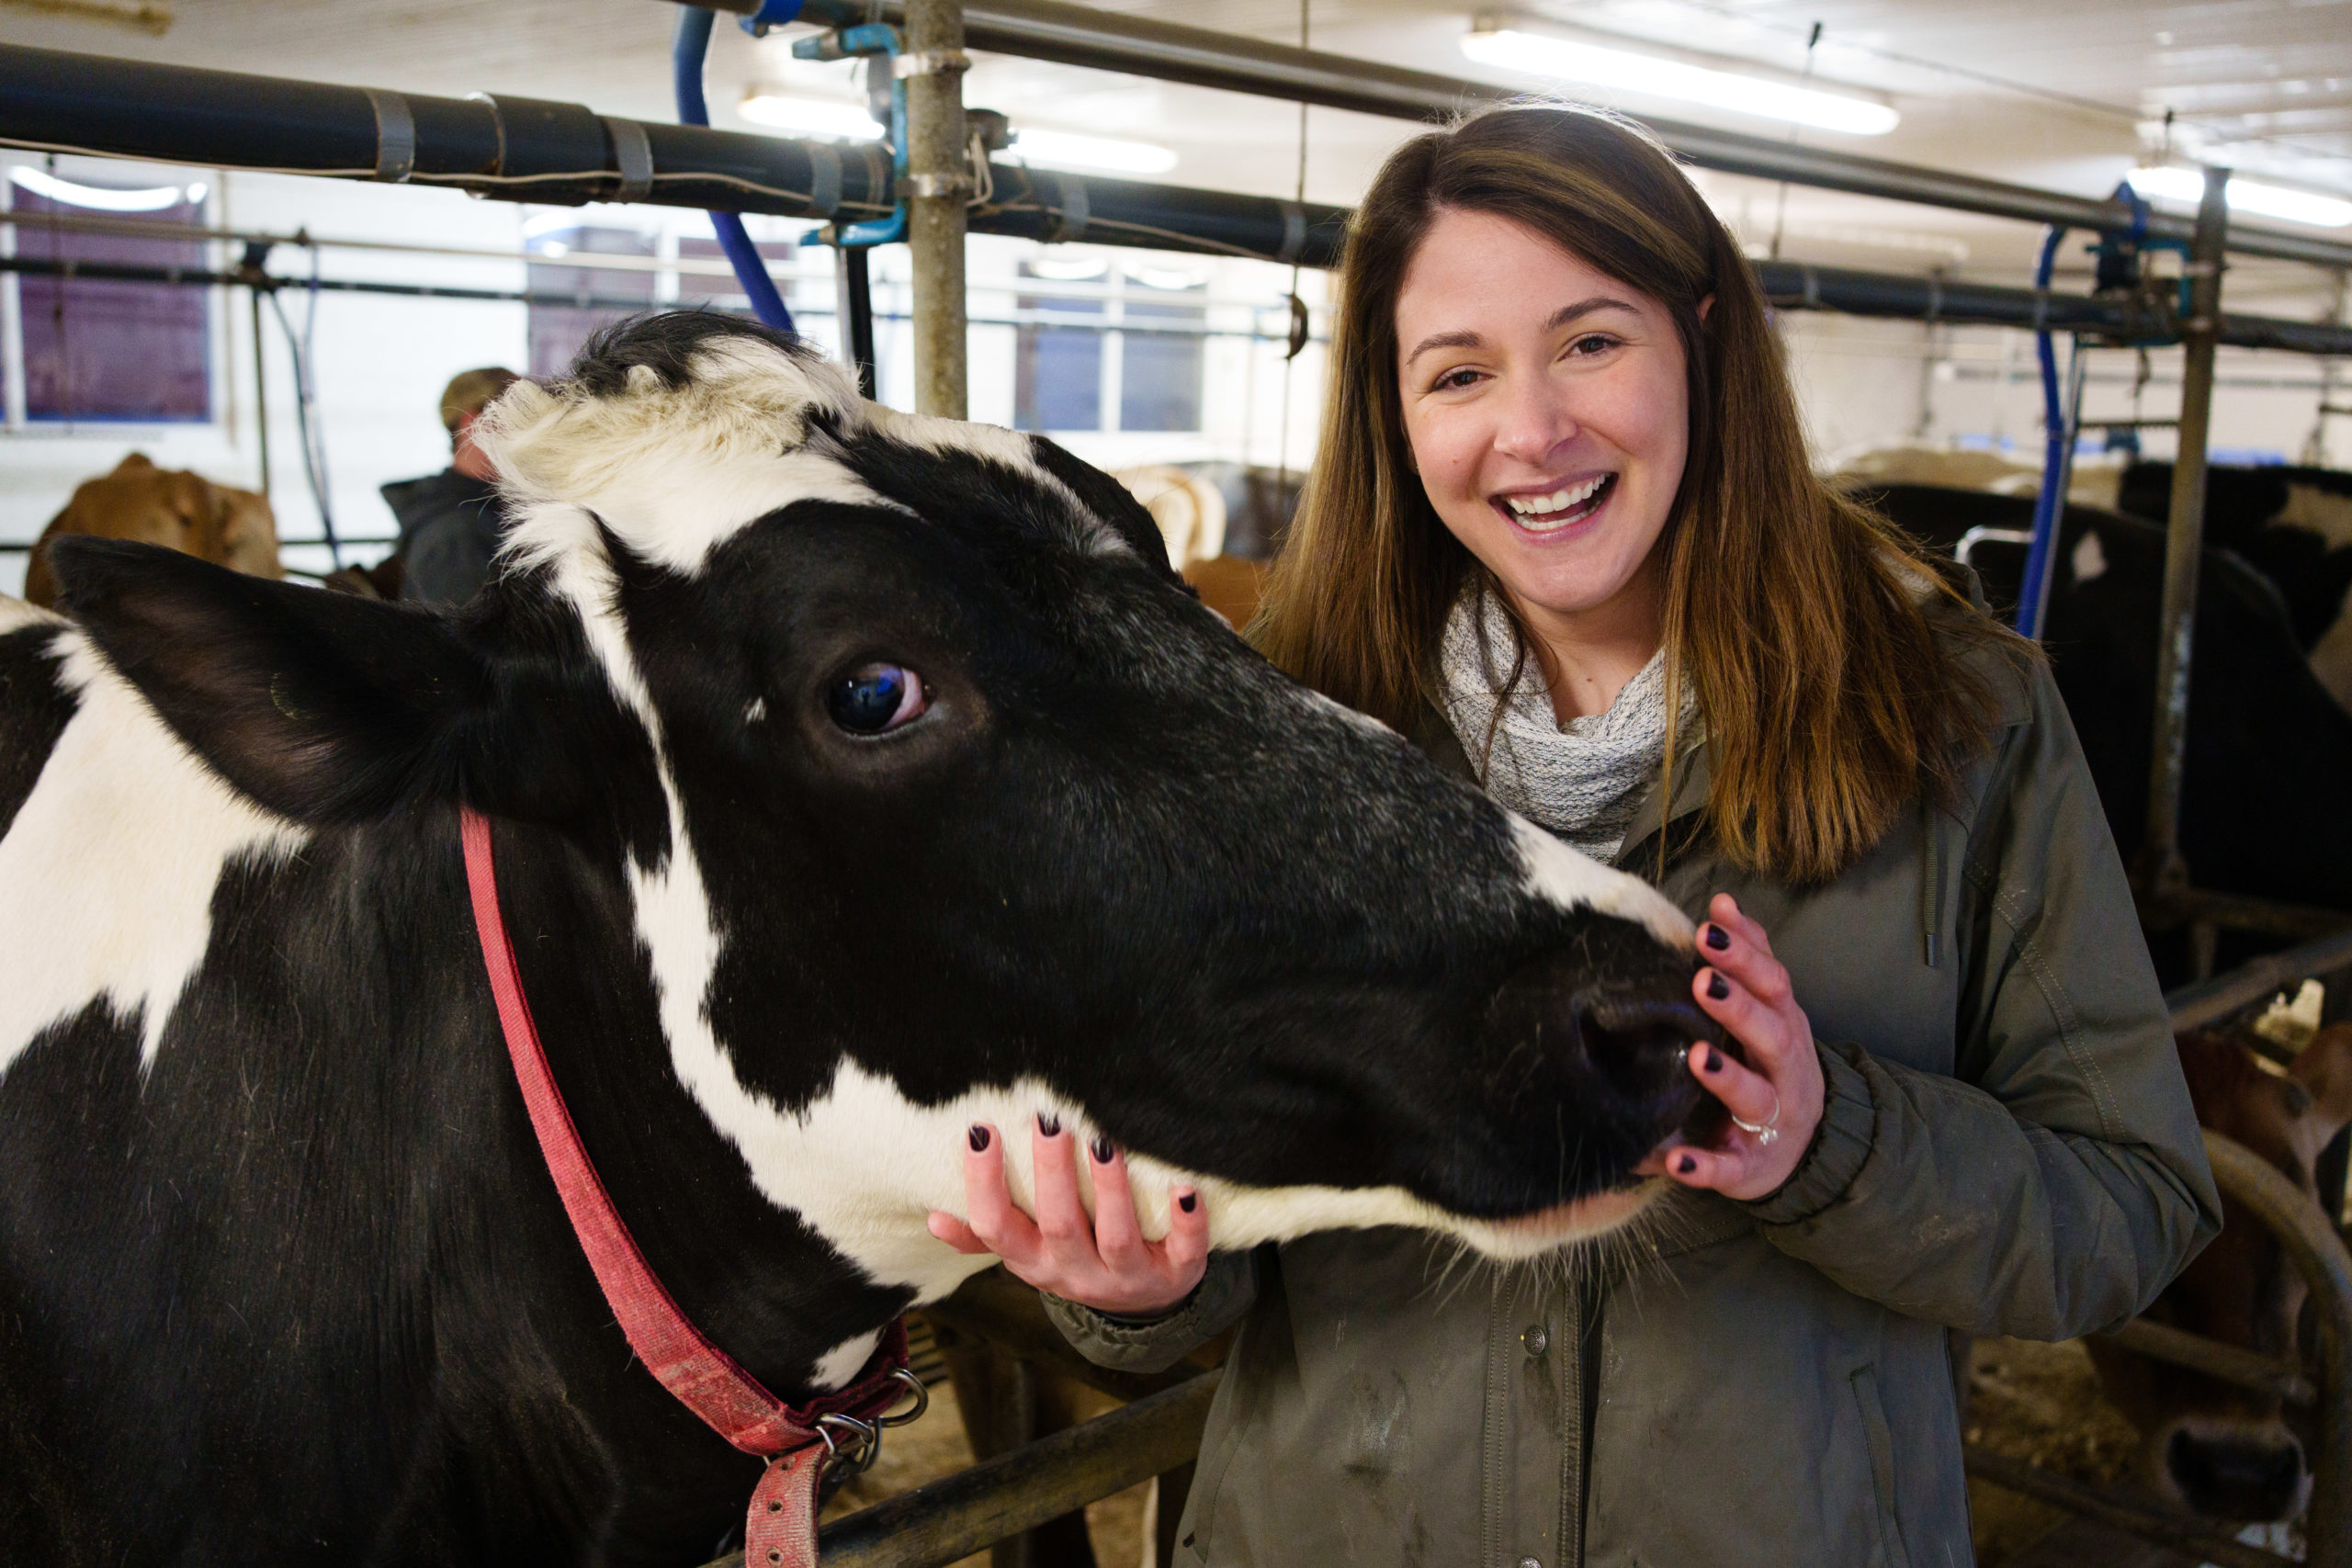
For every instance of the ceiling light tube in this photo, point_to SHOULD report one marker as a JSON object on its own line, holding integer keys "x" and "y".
{"x": 1575, "y": 60}
{"x": 154, "y": 198}
{"x": 2252, "y": 196}
{"x": 1069, "y": 149}
{"x": 812, "y": 117}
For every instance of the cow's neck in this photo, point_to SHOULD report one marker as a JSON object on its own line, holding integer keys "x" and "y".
{"x": 764, "y": 1287}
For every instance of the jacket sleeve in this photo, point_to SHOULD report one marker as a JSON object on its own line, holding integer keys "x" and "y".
{"x": 1151, "y": 1344}
{"x": 2058, "y": 1181}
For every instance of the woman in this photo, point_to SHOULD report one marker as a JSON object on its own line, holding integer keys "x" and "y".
{"x": 1563, "y": 533}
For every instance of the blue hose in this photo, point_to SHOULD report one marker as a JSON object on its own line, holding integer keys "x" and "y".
{"x": 686, "y": 53}
{"x": 2031, "y": 594}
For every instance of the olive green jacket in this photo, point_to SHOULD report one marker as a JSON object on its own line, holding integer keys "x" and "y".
{"x": 2007, "y": 1148}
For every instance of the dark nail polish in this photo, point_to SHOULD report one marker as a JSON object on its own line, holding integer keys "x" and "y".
{"x": 979, "y": 1137}
{"x": 1188, "y": 1201}
{"x": 1718, "y": 987}
{"x": 1715, "y": 1060}
{"x": 1051, "y": 1126}
{"x": 1686, "y": 1165}
{"x": 1718, "y": 938}
{"x": 1102, "y": 1150}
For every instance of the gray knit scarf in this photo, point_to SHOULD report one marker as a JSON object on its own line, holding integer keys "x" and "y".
{"x": 1585, "y": 780}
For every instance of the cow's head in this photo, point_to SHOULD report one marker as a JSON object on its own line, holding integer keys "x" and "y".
{"x": 2224, "y": 1451}
{"x": 935, "y": 797}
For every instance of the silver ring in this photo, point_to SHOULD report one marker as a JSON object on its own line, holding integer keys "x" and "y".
{"x": 1769, "y": 1131}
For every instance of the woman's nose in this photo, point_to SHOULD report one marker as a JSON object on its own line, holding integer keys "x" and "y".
{"x": 1535, "y": 419}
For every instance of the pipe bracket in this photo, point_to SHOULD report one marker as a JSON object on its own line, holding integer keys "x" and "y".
{"x": 929, "y": 63}
{"x": 824, "y": 179}
{"x": 1070, "y": 218}
{"x": 1294, "y": 231}
{"x": 633, "y": 154}
{"x": 395, "y": 136}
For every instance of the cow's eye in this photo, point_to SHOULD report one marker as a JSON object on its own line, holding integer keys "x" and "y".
{"x": 875, "y": 698}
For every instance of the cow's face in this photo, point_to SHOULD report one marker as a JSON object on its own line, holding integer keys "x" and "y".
{"x": 2226, "y": 1451}
{"x": 939, "y": 799}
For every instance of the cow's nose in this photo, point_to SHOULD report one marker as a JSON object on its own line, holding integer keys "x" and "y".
{"x": 2237, "y": 1475}
{"x": 1636, "y": 1034}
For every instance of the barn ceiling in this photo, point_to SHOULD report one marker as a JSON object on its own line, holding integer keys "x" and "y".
{"x": 2067, "y": 96}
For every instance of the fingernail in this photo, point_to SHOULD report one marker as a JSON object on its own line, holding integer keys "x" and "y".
{"x": 1188, "y": 1201}
{"x": 1102, "y": 1150}
{"x": 1718, "y": 987}
{"x": 1715, "y": 1060}
{"x": 979, "y": 1137}
{"x": 1718, "y": 938}
{"x": 1686, "y": 1165}
{"x": 1051, "y": 1126}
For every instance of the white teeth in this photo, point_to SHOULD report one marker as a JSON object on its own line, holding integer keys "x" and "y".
{"x": 1531, "y": 506}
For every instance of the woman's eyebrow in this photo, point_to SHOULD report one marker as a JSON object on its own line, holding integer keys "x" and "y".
{"x": 1560, "y": 318}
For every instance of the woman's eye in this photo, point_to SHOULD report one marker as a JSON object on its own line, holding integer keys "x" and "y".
{"x": 875, "y": 698}
{"x": 1453, "y": 380}
{"x": 1592, "y": 343}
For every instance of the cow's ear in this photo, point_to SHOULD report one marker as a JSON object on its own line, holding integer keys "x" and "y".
{"x": 2324, "y": 1067}
{"x": 327, "y": 707}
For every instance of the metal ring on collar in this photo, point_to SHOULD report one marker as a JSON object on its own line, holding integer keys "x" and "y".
{"x": 914, "y": 1385}
{"x": 635, "y": 155}
{"x": 395, "y": 135}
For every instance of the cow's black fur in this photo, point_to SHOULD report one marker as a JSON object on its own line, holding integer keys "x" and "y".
{"x": 2262, "y": 811}
{"x": 301, "y": 1290}
{"x": 2311, "y": 576}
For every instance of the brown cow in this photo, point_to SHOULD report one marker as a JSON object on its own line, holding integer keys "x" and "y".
{"x": 163, "y": 506}
{"x": 2223, "y": 1450}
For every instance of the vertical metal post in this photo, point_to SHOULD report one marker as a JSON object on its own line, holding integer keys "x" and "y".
{"x": 853, "y": 311}
{"x": 2162, "y": 871}
{"x": 261, "y": 392}
{"x": 939, "y": 182}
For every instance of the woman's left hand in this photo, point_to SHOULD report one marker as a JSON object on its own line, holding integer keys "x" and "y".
{"x": 1744, "y": 987}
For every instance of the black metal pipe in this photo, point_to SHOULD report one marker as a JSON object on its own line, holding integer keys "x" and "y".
{"x": 1169, "y": 51}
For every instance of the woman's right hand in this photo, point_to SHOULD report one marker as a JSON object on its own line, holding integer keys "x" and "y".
{"x": 1104, "y": 1263}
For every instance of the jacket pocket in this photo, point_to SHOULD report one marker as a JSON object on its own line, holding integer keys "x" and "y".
{"x": 1880, "y": 1440}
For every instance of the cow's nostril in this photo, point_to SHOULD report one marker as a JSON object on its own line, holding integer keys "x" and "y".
{"x": 1637, "y": 1038}
{"x": 2238, "y": 1477}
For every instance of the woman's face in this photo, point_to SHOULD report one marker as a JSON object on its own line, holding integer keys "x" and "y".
{"x": 1546, "y": 409}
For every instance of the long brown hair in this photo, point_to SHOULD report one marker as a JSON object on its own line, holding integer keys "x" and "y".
{"x": 1791, "y": 609}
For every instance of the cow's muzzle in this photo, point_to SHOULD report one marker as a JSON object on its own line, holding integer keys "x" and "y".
{"x": 1636, "y": 1035}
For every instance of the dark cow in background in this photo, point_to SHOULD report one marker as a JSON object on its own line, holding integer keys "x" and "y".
{"x": 2292, "y": 524}
{"x": 2220, "y": 1449}
{"x": 2269, "y": 764}
{"x": 856, "y": 778}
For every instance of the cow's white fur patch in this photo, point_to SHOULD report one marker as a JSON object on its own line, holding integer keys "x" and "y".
{"x": 16, "y": 615}
{"x": 845, "y": 1360}
{"x": 114, "y": 858}
{"x": 673, "y": 472}
{"x": 1577, "y": 881}
{"x": 2089, "y": 558}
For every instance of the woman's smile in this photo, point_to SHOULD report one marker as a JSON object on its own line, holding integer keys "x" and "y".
{"x": 1557, "y": 512}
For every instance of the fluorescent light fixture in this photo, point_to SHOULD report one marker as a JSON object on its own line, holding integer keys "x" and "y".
{"x": 812, "y": 117}
{"x": 1068, "y": 269}
{"x": 2253, "y": 197}
{"x": 1574, "y": 60}
{"x": 154, "y": 198}
{"x": 1069, "y": 149}
{"x": 554, "y": 248}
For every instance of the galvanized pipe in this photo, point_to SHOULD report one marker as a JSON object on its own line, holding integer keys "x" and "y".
{"x": 2162, "y": 870}
{"x": 939, "y": 184}
{"x": 1168, "y": 51}
{"x": 2318, "y": 1254}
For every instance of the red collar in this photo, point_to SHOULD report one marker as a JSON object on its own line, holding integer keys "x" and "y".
{"x": 781, "y": 1529}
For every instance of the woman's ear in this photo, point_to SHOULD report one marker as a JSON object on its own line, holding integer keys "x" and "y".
{"x": 1704, "y": 306}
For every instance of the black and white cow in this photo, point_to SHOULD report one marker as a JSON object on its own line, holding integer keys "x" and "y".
{"x": 2292, "y": 524}
{"x": 855, "y": 777}
{"x": 2263, "y": 807}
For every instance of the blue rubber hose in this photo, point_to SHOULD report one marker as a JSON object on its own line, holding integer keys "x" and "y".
{"x": 2031, "y": 597}
{"x": 686, "y": 53}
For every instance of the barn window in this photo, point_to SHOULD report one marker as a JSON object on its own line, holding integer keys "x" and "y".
{"x": 1058, "y": 367}
{"x": 98, "y": 349}
{"x": 1160, "y": 380}
{"x": 593, "y": 297}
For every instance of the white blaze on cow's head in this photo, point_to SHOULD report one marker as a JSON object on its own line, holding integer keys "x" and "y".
{"x": 932, "y": 797}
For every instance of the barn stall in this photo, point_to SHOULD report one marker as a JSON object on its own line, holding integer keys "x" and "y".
{"x": 902, "y": 293}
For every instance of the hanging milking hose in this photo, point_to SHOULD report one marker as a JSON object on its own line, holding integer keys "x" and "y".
{"x": 686, "y": 52}
{"x": 2031, "y": 594}
{"x": 306, "y": 413}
